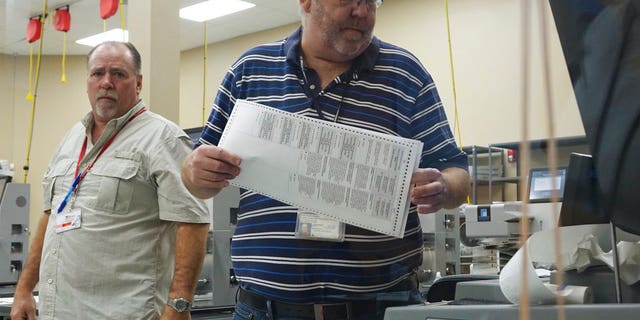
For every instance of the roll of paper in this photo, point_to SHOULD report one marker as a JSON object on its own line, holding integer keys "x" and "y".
{"x": 573, "y": 294}
{"x": 539, "y": 248}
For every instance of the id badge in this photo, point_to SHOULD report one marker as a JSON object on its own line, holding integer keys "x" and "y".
{"x": 312, "y": 226}
{"x": 68, "y": 220}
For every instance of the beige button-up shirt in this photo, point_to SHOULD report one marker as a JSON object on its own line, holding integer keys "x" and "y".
{"x": 119, "y": 263}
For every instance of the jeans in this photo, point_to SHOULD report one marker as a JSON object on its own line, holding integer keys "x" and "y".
{"x": 384, "y": 300}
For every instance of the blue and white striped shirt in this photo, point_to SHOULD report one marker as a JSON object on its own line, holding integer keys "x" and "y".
{"x": 386, "y": 90}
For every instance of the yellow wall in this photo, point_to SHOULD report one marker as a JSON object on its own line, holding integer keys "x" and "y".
{"x": 6, "y": 106}
{"x": 486, "y": 40}
{"x": 58, "y": 107}
{"x": 219, "y": 57}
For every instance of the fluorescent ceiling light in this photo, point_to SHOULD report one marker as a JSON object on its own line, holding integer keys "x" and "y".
{"x": 111, "y": 35}
{"x": 212, "y": 9}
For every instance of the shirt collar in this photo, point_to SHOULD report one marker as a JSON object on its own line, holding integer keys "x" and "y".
{"x": 113, "y": 124}
{"x": 363, "y": 62}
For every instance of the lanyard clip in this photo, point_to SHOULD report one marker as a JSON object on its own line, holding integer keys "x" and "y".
{"x": 74, "y": 185}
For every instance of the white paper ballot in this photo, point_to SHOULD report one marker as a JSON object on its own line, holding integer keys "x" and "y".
{"x": 353, "y": 175}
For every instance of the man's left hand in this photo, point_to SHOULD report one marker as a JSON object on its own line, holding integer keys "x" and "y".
{"x": 429, "y": 190}
{"x": 170, "y": 314}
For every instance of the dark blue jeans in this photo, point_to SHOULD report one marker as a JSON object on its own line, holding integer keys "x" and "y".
{"x": 384, "y": 300}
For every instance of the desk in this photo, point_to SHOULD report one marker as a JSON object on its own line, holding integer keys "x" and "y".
{"x": 510, "y": 312}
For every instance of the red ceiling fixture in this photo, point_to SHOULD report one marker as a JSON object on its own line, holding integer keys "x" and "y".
{"x": 62, "y": 19}
{"x": 108, "y": 8}
{"x": 34, "y": 29}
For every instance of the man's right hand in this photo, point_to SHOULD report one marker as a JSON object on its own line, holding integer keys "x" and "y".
{"x": 208, "y": 169}
{"x": 24, "y": 306}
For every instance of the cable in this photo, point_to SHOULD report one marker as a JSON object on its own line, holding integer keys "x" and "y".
{"x": 121, "y": 9}
{"x": 35, "y": 95}
{"x": 63, "y": 78}
{"x": 456, "y": 122}
{"x": 29, "y": 96}
{"x": 523, "y": 309}
{"x": 453, "y": 77}
{"x": 552, "y": 156}
{"x": 204, "y": 73}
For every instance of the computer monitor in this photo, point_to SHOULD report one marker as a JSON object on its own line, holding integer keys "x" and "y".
{"x": 543, "y": 183}
{"x": 581, "y": 203}
{"x": 601, "y": 45}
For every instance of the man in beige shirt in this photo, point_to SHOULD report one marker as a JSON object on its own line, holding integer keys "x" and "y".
{"x": 121, "y": 237}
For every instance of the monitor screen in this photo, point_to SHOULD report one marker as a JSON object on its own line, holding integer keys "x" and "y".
{"x": 543, "y": 184}
{"x": 484, "y": 213}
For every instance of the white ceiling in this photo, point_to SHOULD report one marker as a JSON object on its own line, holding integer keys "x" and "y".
{"x": 85, "y": 21}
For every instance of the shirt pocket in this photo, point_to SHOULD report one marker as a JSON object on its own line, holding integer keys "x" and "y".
{"x": 54, "y": 181}
{"x": 117, "y": 181}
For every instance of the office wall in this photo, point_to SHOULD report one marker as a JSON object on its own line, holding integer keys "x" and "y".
{"x": 487, "y": 57}
{"x": 58, "y": 106}
{"x": 219, "y": 58}
{"x": 486, "y": 40}
{"x": 486, "y": 37}
{"x": 6, "y": 106}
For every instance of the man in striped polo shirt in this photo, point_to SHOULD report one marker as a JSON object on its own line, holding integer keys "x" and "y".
{"x": 334, "y": 69}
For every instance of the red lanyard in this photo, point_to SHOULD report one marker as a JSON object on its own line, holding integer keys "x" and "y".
{"x": 78, "y": 178}
{"x": 104, "y": 147}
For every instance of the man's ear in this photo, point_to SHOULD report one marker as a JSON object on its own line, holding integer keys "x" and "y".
{"x": 305, "y": 5}
{"x": 138, "y": 83}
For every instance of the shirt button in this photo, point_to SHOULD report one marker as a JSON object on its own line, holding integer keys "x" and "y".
{"x": 313, "y": 87}
{"x": 50, "y": 281}
{"x": 54, "y": 251}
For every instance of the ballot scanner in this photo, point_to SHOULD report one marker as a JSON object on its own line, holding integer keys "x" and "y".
{"x": 14, "y": 229}
{"x": 600, "y": 41}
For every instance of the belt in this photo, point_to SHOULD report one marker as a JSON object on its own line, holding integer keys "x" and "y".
{"x": 320, "y": 311}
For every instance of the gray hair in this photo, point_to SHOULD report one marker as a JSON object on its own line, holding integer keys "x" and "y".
{"x": 137, "y": 60}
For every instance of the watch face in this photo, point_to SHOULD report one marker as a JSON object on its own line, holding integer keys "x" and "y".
{"x": 180, "y": 304}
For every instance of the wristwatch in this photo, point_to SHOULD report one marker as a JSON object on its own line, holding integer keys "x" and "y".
{"x": 179, "y": 304}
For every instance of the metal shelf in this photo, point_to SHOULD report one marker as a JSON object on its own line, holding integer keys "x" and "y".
{"x": 473, "y": 152}
{"x": 568, "y": 144}
{"x": 495, "y": 152}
